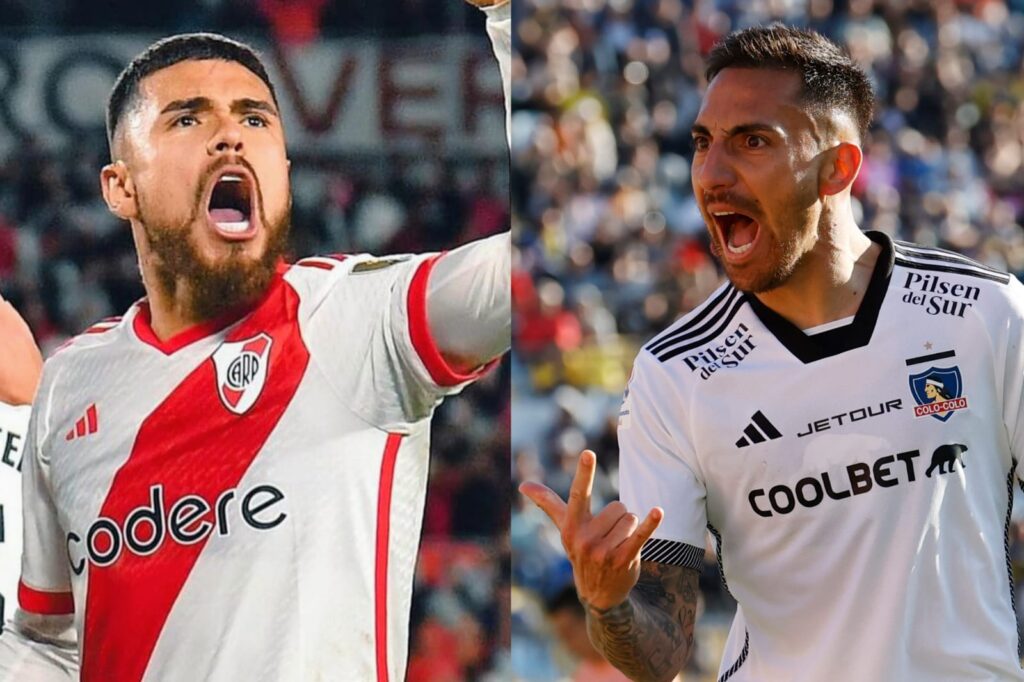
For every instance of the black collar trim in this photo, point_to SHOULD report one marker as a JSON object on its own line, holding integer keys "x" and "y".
{"x": 857, "y": 334}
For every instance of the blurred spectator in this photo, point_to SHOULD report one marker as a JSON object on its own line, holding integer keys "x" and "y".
{"x": 569, "y": 622}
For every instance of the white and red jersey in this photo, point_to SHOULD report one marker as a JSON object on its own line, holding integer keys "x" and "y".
{"x": 241, "y": 502}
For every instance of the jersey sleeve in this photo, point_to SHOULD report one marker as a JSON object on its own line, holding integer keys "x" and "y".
{"x": 369, "y": 334}
{"x": 45, "y": 586}
{"x": 1009, "y": 341}
{"x": 657, "y": 469}
{"x": 13, "y": 429}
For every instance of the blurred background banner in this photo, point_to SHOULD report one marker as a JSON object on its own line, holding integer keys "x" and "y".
{"x": 337, "y": 96}
{"x": 610, "y": 247}
{"x": 395, "y": 124}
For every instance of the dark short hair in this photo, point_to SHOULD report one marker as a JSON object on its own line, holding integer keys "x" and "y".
{"x": 168, "y": 52}
{"x": 831, "y": 79}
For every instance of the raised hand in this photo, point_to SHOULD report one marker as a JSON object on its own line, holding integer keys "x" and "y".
{"x": 20, "y": 361}
{"x": 604, "y": 549}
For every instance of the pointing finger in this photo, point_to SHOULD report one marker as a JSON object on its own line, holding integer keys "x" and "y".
{"x": 547, "y": 499}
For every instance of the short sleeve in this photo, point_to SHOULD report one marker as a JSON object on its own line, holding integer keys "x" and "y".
{"x": 369, "y": 334}
{"x": 655, "y": 468}
{"x": 1009, "y": 341}
{"x": 13, "y": 428}
{"x": 45, "y": 587}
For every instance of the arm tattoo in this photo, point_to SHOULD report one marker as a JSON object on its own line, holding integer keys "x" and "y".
{"x": 649, "y": 636}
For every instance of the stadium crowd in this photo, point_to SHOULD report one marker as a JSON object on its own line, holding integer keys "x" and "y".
{"x": 610, "y": 247}
{"x": 66, "y": 262}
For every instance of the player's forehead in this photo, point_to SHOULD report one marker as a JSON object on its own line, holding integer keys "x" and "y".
{"x": 740, "y": 96}
{"x": 218, "y": 80}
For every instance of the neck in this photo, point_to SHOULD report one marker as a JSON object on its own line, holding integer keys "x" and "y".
{"x": 169, "y": 313}
{"x": 830, "y": 281}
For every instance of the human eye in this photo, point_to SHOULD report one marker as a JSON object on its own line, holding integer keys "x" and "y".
{"x": 256, "y": 120}
{"x": 757, "y": 141}
{"x": 186, "y": 121}
{"x": 701, "y": 143}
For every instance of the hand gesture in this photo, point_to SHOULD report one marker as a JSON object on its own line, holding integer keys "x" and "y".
{"x": 604, "y": 549}
{"x": 20, "y": 361}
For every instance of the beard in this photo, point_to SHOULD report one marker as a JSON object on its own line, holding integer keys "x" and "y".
{"x": 207, "y": 290}
{"x": 783, "y": 259}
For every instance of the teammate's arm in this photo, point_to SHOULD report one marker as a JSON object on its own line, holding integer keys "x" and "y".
{"x": 640, "y": 614}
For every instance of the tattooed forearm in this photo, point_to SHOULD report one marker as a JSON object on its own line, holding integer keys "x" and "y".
{"x": 649, "y": 636}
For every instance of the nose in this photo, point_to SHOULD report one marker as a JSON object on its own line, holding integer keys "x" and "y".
{"x": 227, "y": 138}
{"x": 714, "y": 170}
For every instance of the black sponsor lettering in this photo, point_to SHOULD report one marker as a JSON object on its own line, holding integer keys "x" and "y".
{"x": 811, "y": 491}
{"x": 250, "y": 510}
{"x": 829, "y": 491}
{"x": 106, "y": 527}
{"x": 184, "y": 524}
{"x": 821, "y": 425}
{"x": 11, "y": 449}
{"x": 938, "y": 296}
{"x": 76, "y": 566}
{"x": 153, "y": 515}
{"x": 183, "y": 514}
{"x": 858, "y": 414}
{"x": 787, "y": 494}
{"x": 908, "y": 459}
{"x": 882, "y": 472}
{"x": 860, "y": 477}
{"x": 815, "y": 486}
{"x": 754, "y": 494}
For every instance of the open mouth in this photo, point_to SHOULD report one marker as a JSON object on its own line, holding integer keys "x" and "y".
{"x": 739, "y": 231}
{"x": 231, "y": 205}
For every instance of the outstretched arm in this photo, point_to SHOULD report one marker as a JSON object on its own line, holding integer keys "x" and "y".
{"x": 469, "y": 300}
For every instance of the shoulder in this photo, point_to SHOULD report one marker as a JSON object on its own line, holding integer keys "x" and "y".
{"x": 945, "y": 278}
{"x": 706, "y": 324}
{"x": 321, "y": 273}
{"x": 99, "y": 334}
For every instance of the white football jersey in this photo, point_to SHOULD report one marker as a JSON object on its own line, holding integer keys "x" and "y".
{"x": 241, "y": 502}
{"x": 13, "y": 426}
{"x": 858, "y": 480}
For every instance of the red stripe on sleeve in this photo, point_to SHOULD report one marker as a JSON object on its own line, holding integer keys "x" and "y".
{"x": 440, "y": 371}
{"x": 45, "y": 603}
{"x": 191, "y": 445}
{"x": 380, "y": 573}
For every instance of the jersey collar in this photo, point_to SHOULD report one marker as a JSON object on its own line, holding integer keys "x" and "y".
{"x": 143, "y": 327}
{"x": 858, "y": 333}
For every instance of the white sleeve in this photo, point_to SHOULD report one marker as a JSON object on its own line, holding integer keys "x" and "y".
{"x": 499, "y": 28}
{"x": 40, "y": 645}
{"x": 1008, "y": 337}
{"x": 657, "y": 468}
{"x": 369, "y": 335}
{"x": 13, "y": 430}
{"x": 469, "y": 300}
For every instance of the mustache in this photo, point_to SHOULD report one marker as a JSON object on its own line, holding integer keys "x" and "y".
{"x": 740, "y": 203}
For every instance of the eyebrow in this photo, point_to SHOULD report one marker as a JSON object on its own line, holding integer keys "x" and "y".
{"x": 740, "y": 129}
{"x": 205, "y": 104}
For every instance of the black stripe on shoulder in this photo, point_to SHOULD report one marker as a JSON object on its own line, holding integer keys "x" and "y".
{"x": 992, "y": 276}
{"x": 970, "y": 265}
{"x": 672, "y": 553}
{"x": 740, "y": 660}
{"x": 676, "y": 349}
{"x": 674, "y": 333}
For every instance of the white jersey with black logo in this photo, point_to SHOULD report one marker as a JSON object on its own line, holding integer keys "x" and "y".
{"x": 858, "y": 480}
{"x": 13, "y": 425}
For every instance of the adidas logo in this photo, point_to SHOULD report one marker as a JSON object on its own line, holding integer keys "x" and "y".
{"x": 758, "y": 431}
{"x": 86, "y": 425}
